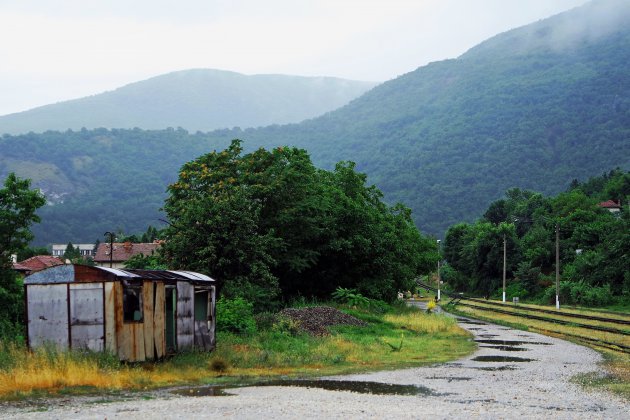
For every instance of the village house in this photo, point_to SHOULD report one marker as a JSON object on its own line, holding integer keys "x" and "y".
{"x": 611, "y": 206}
{"x": 36, "y": 263}
{"x": 136, "y": 314}
{"x": 122, "y": 252}
{"x": 86, "y": 250}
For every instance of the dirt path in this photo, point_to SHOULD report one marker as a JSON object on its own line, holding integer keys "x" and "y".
{"x": 514, "y": 374}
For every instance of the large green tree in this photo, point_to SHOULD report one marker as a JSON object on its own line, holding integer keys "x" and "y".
{"x": 269, "y": 225}
{"x": 18, "y": 204}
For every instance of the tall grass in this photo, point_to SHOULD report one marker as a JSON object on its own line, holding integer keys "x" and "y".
{"x": 422, "y": 339}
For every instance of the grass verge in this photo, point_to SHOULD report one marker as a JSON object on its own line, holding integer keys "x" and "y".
{"x": 403, "y": 338}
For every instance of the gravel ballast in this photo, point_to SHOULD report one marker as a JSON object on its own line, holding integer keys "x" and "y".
{"x": 469, "y": 387}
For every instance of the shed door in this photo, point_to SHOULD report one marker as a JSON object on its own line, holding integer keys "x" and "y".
{"x": 47, "y": 307}
{"x": 87, "y": 329}
{"x": 185, "y": 319}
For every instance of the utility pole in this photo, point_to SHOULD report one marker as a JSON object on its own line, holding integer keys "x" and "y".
{"x": 111, "y": 248}
{"x": 438, "y": 271}
{"x": 504, "y": 263}
{"x": 557, "y": 265}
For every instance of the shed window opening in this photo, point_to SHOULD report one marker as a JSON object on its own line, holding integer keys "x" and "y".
{"x": 132, "y": 303}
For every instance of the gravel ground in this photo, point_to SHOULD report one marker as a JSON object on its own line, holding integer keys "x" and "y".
{"x": 469, "y": 387}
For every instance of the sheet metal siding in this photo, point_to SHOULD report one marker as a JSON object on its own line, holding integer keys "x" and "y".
{"x": 86, "y": 316}
{"x": 185, "y": 315}
{"x": 47, "y": 315}
{"x": 57, "y": 274}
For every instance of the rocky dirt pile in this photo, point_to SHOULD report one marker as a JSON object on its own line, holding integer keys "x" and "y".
{"x": 316, "y": 320}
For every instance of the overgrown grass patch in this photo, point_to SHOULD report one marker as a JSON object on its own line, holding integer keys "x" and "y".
{"x": 398, "y": 339}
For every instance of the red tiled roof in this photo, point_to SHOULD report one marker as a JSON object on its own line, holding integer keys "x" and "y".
{"x": 124, "y": 251}
{"x": 20, "y": 267}
{"x": 39, "y": 262}
{"x": 610, "y": 204}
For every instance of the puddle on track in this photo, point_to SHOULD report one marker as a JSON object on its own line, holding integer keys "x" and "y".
{"x": 497, "y": 368}
{"x": 451, "y": 378}
{"x": 498, "y": 358}
{"x": 512, "y": 342}
{"x": 376, "y": 388}
{"x": 505, "y": 348}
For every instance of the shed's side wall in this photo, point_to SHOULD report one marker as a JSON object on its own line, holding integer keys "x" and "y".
{"x": 185, "y": 312}
{"x": 47, "y": 309}
{"x": 87, "y": 329}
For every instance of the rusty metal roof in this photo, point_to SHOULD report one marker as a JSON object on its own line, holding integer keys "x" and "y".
{"x": 67, "y": 274}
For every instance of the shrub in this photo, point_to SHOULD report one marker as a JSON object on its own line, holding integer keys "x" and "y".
{"x": 580, "y": 293}
{"x": 218, "y": 364}
{"x": 286, "y": 326}
{"x": 235, "y": 315}
{"x": 350, "y": 297}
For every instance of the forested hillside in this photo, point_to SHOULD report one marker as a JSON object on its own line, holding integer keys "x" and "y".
{"x": 532, "y": 108}
{"x": 200, "y": 99}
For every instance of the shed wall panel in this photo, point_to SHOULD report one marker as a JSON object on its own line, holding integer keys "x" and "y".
{"x": 147, "y": 301}
{"x": 110, "y": 318}
{"x": 159, "y": 316}
{"x": 185, "y": 313}
{"x": 86, "y": 316}
{"x": 47, "y": 307}
{"x": 129, "y": 335}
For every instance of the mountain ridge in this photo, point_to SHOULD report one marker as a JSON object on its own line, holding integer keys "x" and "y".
{"x": 195, "y": 99}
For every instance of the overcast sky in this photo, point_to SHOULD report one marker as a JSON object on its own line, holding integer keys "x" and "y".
{"x": 54, "y": 50}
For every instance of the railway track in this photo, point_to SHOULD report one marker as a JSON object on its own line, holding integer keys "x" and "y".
{"x": 547, "y": 319}
{"x": 489, "y": 306}
{"x": 558, "y": 313}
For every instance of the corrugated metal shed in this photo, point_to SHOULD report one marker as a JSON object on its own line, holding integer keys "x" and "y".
{"x": 137, "y": 314}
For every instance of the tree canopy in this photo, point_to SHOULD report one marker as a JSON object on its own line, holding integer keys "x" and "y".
{"x": 18, "y": 204}
{"x": 269, "y": 225}
{"x": 594, "y": 243}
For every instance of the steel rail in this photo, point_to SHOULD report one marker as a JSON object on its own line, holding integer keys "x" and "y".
{"x": 549, "y": 311}
{"x": 555, "y": 321}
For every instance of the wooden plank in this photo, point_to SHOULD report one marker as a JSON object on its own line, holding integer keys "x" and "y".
{"x": 159, "y": 316}
{"x": 47, "y": 315}
{"x": 86, "y": 316}
{"x": 185, "y": 315}
{"x": 147, "y": 302}
{"x": 110, "y": 317}
{"x": 138, "y": 343}
{"x": 123, "y": 336}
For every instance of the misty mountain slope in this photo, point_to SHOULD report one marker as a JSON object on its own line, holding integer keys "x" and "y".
{"x": 198, "y": 99}
{"x": 446, "y": 139}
